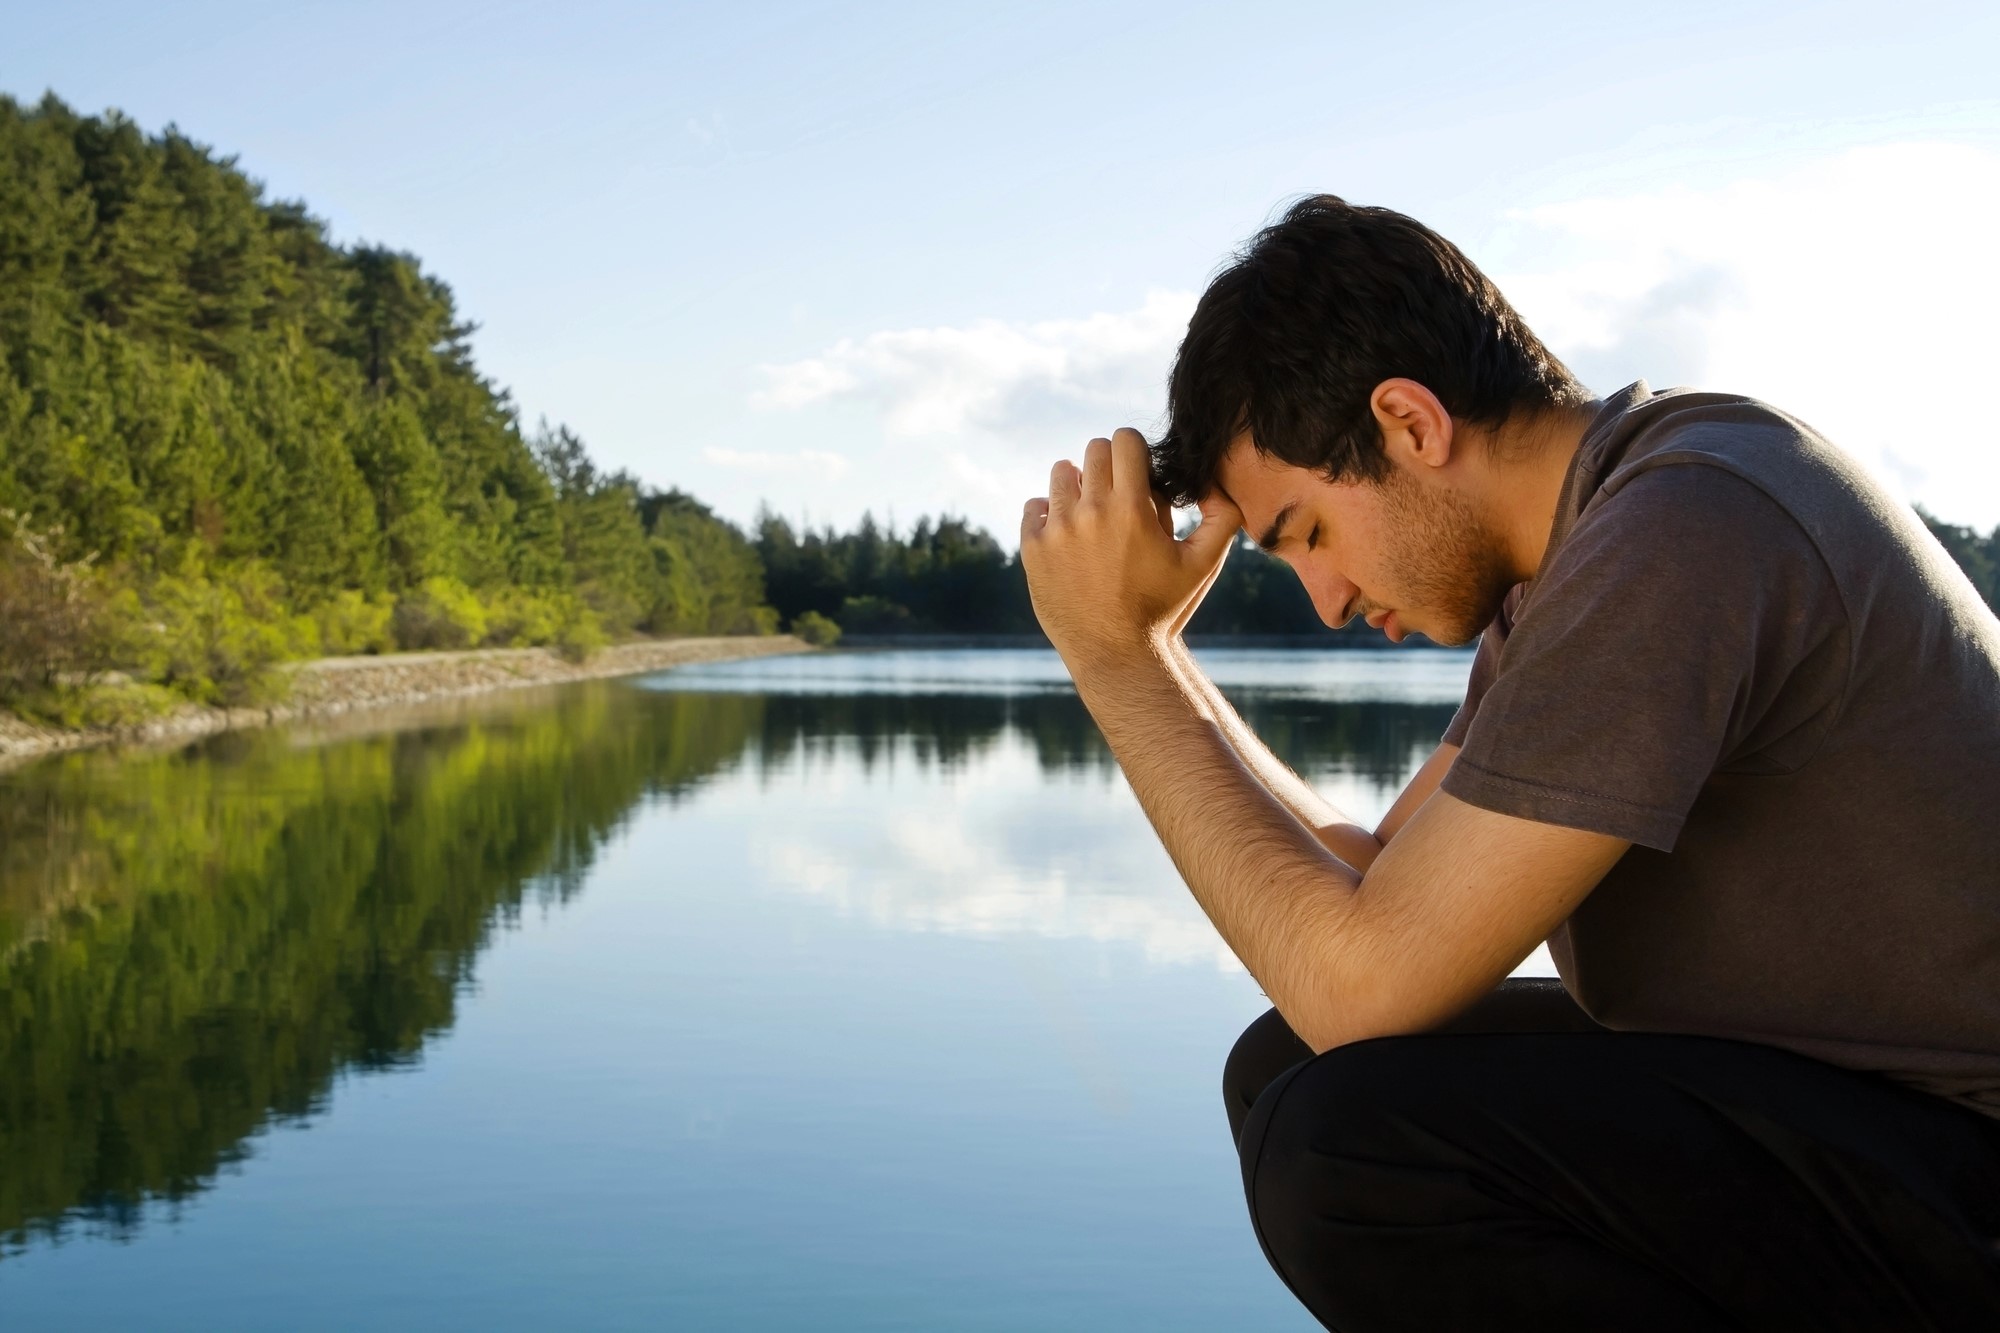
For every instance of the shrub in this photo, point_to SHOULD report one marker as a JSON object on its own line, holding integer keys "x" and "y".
{"x": 352, "y": 623}
{"x": 526, "y": 617}
{"x": 54, "y": 630}
{"x": 581, "y": 635}
{"x": 440, "y": 613}
{"x": 873, "y": 615}
{"x": 216, "y": 640}
{"x": 118, "y": 702}
{"x": 816, "y": 629}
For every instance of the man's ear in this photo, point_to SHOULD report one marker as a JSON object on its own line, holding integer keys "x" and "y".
{"x": 1416, "y": 430}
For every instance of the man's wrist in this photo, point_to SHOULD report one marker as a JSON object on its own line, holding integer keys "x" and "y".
{"x": 1113, "y": 659}
{"x": 1131, "y": 688}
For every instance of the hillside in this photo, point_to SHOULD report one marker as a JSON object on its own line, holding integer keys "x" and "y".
{"x": 226, "y": 440}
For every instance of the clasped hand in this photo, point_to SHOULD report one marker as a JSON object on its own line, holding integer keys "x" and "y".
{"x": 1105, "y": 571}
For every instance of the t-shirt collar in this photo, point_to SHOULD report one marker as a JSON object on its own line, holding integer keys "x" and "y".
{"x": 1586, "y": 471}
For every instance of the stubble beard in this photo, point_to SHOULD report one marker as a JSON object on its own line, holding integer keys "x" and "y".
{"x": 1453, "y": 567}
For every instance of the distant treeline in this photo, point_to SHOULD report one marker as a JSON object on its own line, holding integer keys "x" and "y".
{"x": 225, "y": 440}
{"x": 947, "y": 577}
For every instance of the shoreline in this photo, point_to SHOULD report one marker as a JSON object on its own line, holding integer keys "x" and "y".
{"x": 330, "y": 686}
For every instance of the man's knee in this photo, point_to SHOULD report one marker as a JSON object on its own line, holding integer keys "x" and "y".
{"x": 1350, "y": 1105}
{"x": 1267, "y": 1048}
{"x": 1329, "y": 1170}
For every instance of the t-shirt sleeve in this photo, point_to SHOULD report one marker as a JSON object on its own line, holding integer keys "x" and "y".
{"x": 1674, "y": 617}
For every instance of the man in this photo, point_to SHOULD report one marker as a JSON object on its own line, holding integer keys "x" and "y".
{"x": 1730, "y": 746}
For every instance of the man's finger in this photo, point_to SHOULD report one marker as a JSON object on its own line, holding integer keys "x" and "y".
{"x": 1131, "y": 465}
{"x": 1163, "y": 509}
{"x": 1097, "y": 469}
{"x": 1034, "y": 517}
{"x": 1065, "y": 485}
{"x": 1220, "y": 522}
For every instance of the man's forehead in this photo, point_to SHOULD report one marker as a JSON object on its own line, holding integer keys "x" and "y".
{"x": 1261, "y": 487}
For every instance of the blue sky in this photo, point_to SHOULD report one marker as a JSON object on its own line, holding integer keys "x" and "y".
{"x": 900, "y": 257}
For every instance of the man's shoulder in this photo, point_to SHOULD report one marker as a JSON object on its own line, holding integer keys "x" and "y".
{"x": 1652, "y": 464}
{"x": 1825, "y": 491}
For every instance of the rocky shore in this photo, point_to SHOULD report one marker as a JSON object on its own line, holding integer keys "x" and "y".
{"x": 335, "y": 685}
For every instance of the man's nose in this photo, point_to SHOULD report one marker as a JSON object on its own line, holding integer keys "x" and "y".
{"x": 1331, "y": 597}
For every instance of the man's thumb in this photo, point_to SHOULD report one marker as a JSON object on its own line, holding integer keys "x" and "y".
{"x": 1220, "y": 522}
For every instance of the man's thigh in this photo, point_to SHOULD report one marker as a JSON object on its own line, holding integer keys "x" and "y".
{"x": 1594, "y": 1179}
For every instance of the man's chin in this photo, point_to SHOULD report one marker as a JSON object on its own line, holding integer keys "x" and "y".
{"x": 1443, "y": 638}
{"x": 1460, "y": 632}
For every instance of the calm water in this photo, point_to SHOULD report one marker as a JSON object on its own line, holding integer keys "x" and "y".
{"x": 839, "y": 992}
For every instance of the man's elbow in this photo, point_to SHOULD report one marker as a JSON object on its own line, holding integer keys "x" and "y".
{"x": 1324, "y": 1035}
{"x": 1326, "y": 1021}
{"x": 1367, "y": 994}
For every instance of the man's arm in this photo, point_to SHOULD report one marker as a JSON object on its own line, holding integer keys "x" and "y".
{"x": 1415, "y": 792}
{"x": 1336, "y": 830}
{"x": 1458, "y": 897}
{"x": 1455, "y": 901}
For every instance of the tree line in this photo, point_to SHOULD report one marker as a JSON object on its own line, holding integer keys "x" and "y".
{"x": 1978, "y": 556}
{"x": 946, "y": 577}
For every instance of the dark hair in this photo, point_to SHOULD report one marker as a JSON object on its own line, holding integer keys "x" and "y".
{"x": 1290, "y": 339}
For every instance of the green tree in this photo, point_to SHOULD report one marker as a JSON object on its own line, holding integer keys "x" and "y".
{"x": 202, "y": 393}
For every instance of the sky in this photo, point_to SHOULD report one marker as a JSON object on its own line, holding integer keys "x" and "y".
{"x": 899, "y": 258}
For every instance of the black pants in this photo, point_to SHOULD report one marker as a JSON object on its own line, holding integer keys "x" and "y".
{"x": 1523, "y": 1168}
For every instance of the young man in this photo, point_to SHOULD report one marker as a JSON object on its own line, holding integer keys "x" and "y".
{"x": 1730, "y": 746}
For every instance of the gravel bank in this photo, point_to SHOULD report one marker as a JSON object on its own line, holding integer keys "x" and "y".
{"x": 335, "y": 685}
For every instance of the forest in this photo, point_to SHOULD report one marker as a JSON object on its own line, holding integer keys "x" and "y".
{"x": 227, "y": 441}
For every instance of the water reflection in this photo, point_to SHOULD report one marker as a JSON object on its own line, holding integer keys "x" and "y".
{"x": 1372, "y": 741}
{"x": 197, "y": 944}
{"x": 1007, "y": 816}
{"x": 193, "y": 944}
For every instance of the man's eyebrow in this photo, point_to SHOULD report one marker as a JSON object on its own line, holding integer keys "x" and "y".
{"x": 1269, "y": 541}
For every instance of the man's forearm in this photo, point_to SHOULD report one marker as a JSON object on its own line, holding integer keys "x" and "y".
{"x": 1276, "y": 894}
{"x": 1337, "y": 831}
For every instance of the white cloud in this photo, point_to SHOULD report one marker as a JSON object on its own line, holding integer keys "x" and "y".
{"x": 1856, "y": 292}
{"x": 818, "y": 462}
{"x": 997, "y": 377}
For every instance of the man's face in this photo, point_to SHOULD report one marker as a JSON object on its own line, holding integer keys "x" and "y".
{"x": 1408, "y": 555}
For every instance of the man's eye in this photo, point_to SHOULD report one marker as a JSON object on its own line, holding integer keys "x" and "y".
{"x": 1312, "y": 538}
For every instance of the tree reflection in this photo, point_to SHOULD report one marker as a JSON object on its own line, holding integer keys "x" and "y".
{"x": 196, "y": 943}
{"x": 946, "y": 731}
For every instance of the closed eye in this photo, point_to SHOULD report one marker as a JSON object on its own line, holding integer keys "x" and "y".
{"x": 1312, "y": 538}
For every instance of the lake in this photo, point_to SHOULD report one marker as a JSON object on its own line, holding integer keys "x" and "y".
{"x": 847, "y": 991}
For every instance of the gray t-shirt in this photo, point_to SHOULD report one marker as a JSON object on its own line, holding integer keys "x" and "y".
{"x": 1747, "y": 659}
